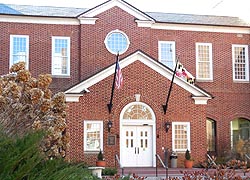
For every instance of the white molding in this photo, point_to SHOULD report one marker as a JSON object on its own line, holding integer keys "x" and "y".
{"x": 119, "y": 3}
{"x": 39, "y": 20}
{"x": 73, "y": 97}
{"x": 87, "y": 20}
{"x": 201, "y": 100}
{"x": 141, "y": 23}
{"x": 201, "y": 28}
{"x": 153, "y": 64}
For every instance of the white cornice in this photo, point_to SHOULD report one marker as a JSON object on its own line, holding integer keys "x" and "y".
{"x": 201, "y": 100}
{"x": 87, "y": 20}
{"x": 153, "y": 64}
{"x": 201, "y": 28}
{"x": 140, "y": 23}
{"x": 39, "y": 20}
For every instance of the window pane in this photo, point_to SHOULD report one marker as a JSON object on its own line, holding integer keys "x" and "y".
{"x": 240, "y": 63}
{"x": 204, "y": 64}
{"x": 19, "y": 49}
{"x": 167, "y": 54}
{"x": 93, "y": 131}
{"x": 61, "y": 56}
{"x": 181, "y": 136}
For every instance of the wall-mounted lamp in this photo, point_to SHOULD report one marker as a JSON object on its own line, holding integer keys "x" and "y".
{"x": 167, "y": 126}
{"x": 109, "y": 125}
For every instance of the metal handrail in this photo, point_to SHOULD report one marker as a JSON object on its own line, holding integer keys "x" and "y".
{"x": 162, "y": 163}
{"x": 119, "y": 163}
{"x": 247, "y": 156}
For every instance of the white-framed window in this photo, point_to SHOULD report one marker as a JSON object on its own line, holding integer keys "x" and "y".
{"x": 181, "y": 136}
{"x": 19, "y": 49}
{"x": 166, "y": 50}
{"x": 60, "y": 56}
{"x": 204, "y": 65}
{"x": 240, "y": 62}
{"x": 93, "y": 135}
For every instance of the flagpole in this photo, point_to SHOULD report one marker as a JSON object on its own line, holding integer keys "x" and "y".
{"x": 113, "y": 86}
{"x": 165, "y": 107}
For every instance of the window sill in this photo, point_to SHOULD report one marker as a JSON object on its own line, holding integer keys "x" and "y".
{"x": 60, "y": 76}
{"x": 203, "y": 80}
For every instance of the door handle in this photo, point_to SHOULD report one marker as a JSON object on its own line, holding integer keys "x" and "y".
{"x": 138, "y": 152}
{"x": 135, "y": 150}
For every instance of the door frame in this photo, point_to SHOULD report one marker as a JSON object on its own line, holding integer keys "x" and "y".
{"x": 130, "y": 122}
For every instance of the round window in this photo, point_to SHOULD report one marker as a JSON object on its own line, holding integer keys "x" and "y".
{"x": 117, "y": 42}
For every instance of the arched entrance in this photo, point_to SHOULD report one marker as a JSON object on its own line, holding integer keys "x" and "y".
{"x": 137, "y": 135}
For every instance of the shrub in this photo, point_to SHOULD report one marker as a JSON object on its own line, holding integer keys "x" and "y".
{"x": 20, "y": 158}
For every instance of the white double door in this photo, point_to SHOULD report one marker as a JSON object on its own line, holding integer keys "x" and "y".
{"x": 136, "y": 146}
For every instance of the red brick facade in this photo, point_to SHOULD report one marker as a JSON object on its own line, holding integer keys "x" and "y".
{"x": 90, "y": 56}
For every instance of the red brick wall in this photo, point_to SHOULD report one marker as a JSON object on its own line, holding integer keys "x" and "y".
{"x": 40, "y": 49}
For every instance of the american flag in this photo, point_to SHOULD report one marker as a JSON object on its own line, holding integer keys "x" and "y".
{"x": 118, "y": 78}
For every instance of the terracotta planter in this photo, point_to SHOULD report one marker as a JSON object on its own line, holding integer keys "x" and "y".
{"x": 188, "y": 164}
{"x": 101, "y": 163}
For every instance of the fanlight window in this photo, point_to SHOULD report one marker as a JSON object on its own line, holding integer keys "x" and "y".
{"x": 137, "y": 111}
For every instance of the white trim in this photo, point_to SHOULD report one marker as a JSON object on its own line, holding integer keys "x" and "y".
{"x": 151, "y": 122}
{"x": 209, "y": 45}
{"x": 106, "y": 42}
{"x": 246, "y": 65}
{"x": 119, "y": 3}
{"x": 85, "y": 136}
{"x": 73, "y": 97}
{"x": 53, "y": 56}
{"x": 153, "y": 64}
{"x": 201, "y": 100}
{"x": 87, "y": 20}
{"x": 26, "y": 52}
{"x": 141, "y": 23}
{"x": 39, "y": 20}
{"x": 188, "y": 136}
{"x": 201, "y": 28}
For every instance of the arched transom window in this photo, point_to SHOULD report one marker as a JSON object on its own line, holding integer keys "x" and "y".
{"x": 138, "y": 111}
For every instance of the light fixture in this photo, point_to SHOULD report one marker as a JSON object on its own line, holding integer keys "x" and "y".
{"x": 109, "y": 125}
{"x": 167, "y": 126}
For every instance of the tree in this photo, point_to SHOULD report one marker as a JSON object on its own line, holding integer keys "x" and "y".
{"x": 26, "y": 103}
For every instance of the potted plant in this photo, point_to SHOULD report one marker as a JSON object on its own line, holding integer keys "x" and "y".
{"x": 188, "y": 163}
{"x": 100, "y": 159}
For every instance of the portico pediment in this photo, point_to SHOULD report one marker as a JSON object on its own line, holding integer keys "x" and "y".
{"x": 199, "y": 95}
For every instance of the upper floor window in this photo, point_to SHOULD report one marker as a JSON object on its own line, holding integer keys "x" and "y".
{"x": 117, "y": 42}
{"x": 61, "y": 56}
{"x": 240, "y": 63}
{"x": 167, "y": 53}
{"x": 181, "y": 136}
{"x": 204, "y": 69}
{"x": 19, "y": 49}
{"x": 93, "y": 135}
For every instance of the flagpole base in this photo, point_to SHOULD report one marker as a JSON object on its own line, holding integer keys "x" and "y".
{"x": 109, "y": 107}
{"x": 164, "y": 108}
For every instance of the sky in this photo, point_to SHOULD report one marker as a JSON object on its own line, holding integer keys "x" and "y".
{"x": 238, "y": 8}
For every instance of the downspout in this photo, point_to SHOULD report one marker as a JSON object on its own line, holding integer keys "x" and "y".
{"x": 80, "y": 52}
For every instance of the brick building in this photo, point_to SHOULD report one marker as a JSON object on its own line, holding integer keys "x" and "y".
{"x": 79, "y": 48}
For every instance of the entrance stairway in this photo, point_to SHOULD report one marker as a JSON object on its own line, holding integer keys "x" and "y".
{"x": 150, "y": 172}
